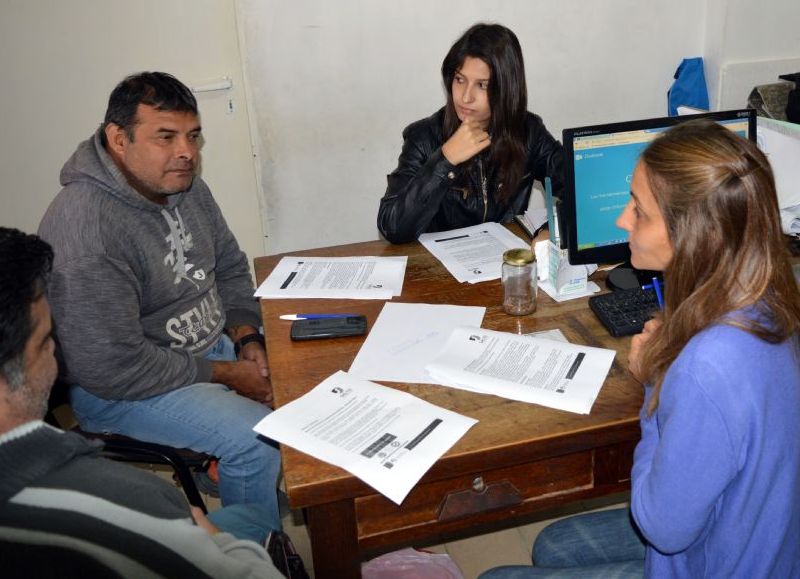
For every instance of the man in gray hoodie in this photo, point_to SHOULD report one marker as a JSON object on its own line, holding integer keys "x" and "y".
{"x": 152, "y": 297}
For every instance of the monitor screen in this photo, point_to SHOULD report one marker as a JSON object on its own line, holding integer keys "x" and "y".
{"x": 598, "y": 166}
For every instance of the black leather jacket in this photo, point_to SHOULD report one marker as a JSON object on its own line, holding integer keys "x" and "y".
{"x": 427, "y": 193}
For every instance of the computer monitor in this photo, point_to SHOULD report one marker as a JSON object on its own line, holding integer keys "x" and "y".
{"x": 598, "y": 166}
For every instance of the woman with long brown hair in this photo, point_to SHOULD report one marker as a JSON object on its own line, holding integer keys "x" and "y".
{"x": 716, "y": 476}
{"x": 475, "y": 159}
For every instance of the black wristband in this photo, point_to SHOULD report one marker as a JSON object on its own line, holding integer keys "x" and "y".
{"x": 244, "y": 340}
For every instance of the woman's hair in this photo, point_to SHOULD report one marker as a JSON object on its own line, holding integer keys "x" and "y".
{"x": 717, "y": 194}
{"x": 499, "y": 48}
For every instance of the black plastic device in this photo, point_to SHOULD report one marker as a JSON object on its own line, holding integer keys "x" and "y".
{"x": 316, "y": 329}
{"x": 624, "y": 312}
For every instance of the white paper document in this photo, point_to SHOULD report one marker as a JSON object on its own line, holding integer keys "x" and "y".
{"x": 790, "y": 220}
{"x": 532, "y": 220}
{"x": 526, "y": 368}
{"x": 472, "y": 254}
{"x": 547, "y": 287}
{"x": 366, "y": 278}
{"x": 555, "y": 334}
{"x": 405, "y": 337}
{"x": 780, "y": 141}
{"x": 387, "y": 438}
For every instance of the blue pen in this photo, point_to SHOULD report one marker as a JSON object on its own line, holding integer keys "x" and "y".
{"x": 315, "y": 316}
{"x": 656, "y": 285}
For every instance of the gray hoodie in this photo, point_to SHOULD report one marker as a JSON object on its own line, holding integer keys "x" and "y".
{"x": 140, "y": 291}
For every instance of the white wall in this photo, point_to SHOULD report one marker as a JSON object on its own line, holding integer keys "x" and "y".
{"x": 334, "y": 83}
{"x": 60, "y": 61}
{"x": 743, "y": 39}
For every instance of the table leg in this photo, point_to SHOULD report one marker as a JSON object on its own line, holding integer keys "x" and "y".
{"x": 334, "y": 540}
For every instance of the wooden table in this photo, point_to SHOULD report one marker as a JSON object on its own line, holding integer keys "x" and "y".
{"x": 518, "y": 459}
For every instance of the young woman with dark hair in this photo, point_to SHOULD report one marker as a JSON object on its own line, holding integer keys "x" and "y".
{"x": 474, "y": 160}
{"x": 716, "y": 476}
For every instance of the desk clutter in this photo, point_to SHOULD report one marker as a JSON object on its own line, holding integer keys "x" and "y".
{"x": 451, "y": 349}
{"x": 389, "y": 438}
{"x": 506, "y": 443}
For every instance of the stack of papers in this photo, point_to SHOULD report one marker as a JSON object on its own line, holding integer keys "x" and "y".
{"x": 472, "y": 254}
{"x": 441, "y": 344}
{"x": 366, "y": 278}
{"x": 532, "y": 220}
{"x": 525, "y": 368}
{"x": 387, "y": 438}
{"x": 790, "y": 220}
{"x": 780, "y": 141}
{"x": 405, "y": 337}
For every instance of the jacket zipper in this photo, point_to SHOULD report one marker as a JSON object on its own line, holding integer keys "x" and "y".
{"x": 483, "y": 191}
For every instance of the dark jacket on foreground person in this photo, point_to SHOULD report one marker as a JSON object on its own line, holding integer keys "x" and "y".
{"x": 67, "y": 512}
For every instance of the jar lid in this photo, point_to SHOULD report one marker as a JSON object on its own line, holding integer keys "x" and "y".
{"x": 519, "y": 256}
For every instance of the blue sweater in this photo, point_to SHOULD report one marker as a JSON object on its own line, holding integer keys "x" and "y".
{"x": 716, "y": 476}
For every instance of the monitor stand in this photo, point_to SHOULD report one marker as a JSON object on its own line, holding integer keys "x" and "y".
{"x": 625, "y": 276}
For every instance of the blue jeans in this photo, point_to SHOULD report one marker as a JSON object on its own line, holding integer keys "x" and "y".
{"x": 205, "y": 417}
{"x": 605, "y": 544}
{"x": 243, "y": 522}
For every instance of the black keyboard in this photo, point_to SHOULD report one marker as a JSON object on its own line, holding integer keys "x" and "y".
{"x": 624, "y": 312}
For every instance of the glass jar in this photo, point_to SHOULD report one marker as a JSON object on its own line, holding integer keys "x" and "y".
{"x": 519, "y": 282}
